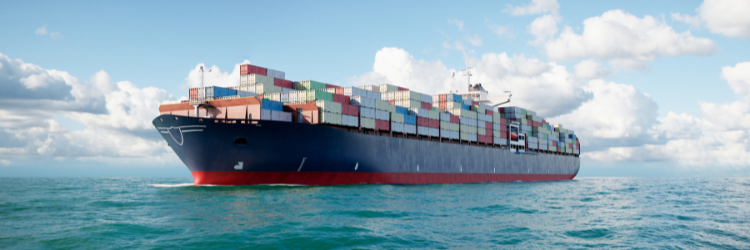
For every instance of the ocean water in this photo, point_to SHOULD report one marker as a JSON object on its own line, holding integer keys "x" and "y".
{"x": 126, "y": 213}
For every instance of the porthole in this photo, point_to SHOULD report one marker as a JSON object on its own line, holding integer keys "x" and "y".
{"x": 240, "y": 141}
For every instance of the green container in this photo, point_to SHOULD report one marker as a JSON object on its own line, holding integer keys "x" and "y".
{"x": 309, "y": 85}
{"x": 319, "y": 95}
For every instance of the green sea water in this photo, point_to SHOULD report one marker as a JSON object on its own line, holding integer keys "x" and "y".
{"x": 170, "y": 213}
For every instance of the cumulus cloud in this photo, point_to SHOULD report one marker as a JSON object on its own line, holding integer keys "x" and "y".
{"x": 214, "y": 78}
{"x": 590, "y": 69}
{"x": 720, "y": 139}
{"x": 617, "y": 115}
{"x": 547, "y": 88}
{"x": 116, "y": 116}
{"x": 738, "y": 78}
{"x": 625, "y": 40}
{"x": 534, "y": 8}
{"x": 543, "y": 28}
{"x": 726, "y": 17}
{"x": 475, "y": 40}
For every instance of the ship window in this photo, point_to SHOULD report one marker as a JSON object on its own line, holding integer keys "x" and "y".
{"x": 240, "y": 141}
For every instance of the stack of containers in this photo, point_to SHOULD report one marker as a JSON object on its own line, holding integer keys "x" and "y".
{"x": 422, "y": 121}
{"x": 468, "y": 124}
{"x": 499, "y": 129}
{"x": 273, "y": 110}
{"x": 449, "y": 126}
{"x": 484, "y": 127}
{"x": 383, "y": 115}
{"x": 447, "y": 101}
{"x": 366, "y": 104}
{"x": 373, "y": 88}
{"x": 412, "y": 99}
{"x": 330, "y": 112}
{"x": 349, "y": 113}
{"x": 433, "y": 123}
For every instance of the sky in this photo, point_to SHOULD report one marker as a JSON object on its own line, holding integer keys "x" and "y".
{"x": 651, "y": 88}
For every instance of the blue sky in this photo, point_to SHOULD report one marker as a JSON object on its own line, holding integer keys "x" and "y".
{"x": 158, "y": 44}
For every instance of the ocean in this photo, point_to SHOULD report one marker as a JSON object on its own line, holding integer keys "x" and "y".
{"x": 147, "y": 213}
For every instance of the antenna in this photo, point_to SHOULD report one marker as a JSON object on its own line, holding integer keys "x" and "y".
{"x": 468, "y": 78}
{"x": 453, "y": 81}
{"x": 201, "y": 94}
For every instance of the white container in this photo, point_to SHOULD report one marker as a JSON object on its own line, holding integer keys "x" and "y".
{"x": 387, "y": 96}
{"x": 397, "y": 127}
{"x": 275, "y": 73}
{"x": 408, "y": 103}
{"x": 499, "y": 141}
{"x": 362, "y": 101}
{"x": 435, "y": 132}
{"x": 285, "y": 97}
{"x": 410, "y": 129}
{"x": 481, "y": 125}
{"x": 382, "y": 115}
{"x": 375, "y": 88}
{"x": 367, "y": 112}
{"x": 286, "y": 116}
{"x": 256, "y": 79}
{"x": 472, "y": 137}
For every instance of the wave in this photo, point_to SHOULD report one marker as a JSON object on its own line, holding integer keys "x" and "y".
{"x": 172, "y": 185}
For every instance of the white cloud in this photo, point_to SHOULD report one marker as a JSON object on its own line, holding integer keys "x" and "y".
{"x": 738, "y": 78}
{"x": 116, "y": 116}
{"x": 690, "y": 20}
{"x": 5, "y": 162}
{"x": 543, "y": 28}
{"x": 617, "y": 115}
{"x": 475, "y": 40}
{"x": 590, "y": 69}
{"x": 626, "y": 41}
{"x": 458, "y": 23}
{"x": 214, "y": 78}
{"x": 547, "y": 88}
{"x": 726, "y": 17}
{"x": 42, "y": 31}
{"x": 534, "y": 8}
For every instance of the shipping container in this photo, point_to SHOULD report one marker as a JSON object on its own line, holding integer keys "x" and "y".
{"x": 330, "y": 118}
{"x": 396, "y": 117}
{"x": 382, "y": 115}
{"x": 328, "y": 106}
{"x": 368, "y": 123}
{"x": 387, "y": 88}
{"x": 309, "y": 85}
{"x": 246, "y": 69}
{"x": 397, "y": 127}
{"x": 256, "y": 79}
{"x": 362, "y": 101}
{"x": 367, "y": 112}
{"x": 410, "y": 129}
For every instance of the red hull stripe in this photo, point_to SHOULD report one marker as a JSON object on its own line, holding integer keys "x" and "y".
{"x": 348, "y": 178}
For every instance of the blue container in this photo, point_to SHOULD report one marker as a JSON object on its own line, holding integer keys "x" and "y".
{"x": 466, "y": 106}
{"x": 272, "y": 105}
{"x": 215, "y": 92}
{"x": 402, "y": 110}
{"x": 571, "y": 136}
{"x": 457, "y": 98}
{"x": 410, "y": 119}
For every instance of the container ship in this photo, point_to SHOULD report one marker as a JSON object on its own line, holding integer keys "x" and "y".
{"x": 270, "y": 130}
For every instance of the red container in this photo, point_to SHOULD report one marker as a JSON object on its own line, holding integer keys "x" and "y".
{"x": 247, "y": 69}
{"x": 284, "y": 83}
{"x": 474, "y": 103}
{"x": 455, "y": 119}
{"x": 441, "y": 98}
{"x": 340, "y": 91}
{"x": 331, "y": 86}
{"x": 421, "y": 121}
{"x": 193, "y": 93}
{"x": 336, "y": 98}
{"x": 345, "y": 99}
{"x": 426, "y": 106}
{"x": 501, "y": 110}
{"x": 490, "y": 139}
{"x": 402, "y": 89}
{"x": 382, "y": 125}
{"x": 488, "y": 125}
{"x": 504, "y": 135}
{"x": 489, "y": 112}
{"x": 480, "y": 138}
{"x": 434, "y": 123}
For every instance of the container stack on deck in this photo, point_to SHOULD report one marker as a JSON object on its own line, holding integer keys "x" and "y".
{"x": 387, "y": 107}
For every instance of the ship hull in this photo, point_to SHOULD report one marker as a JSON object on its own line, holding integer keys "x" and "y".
{"x": 306, "y": 154}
